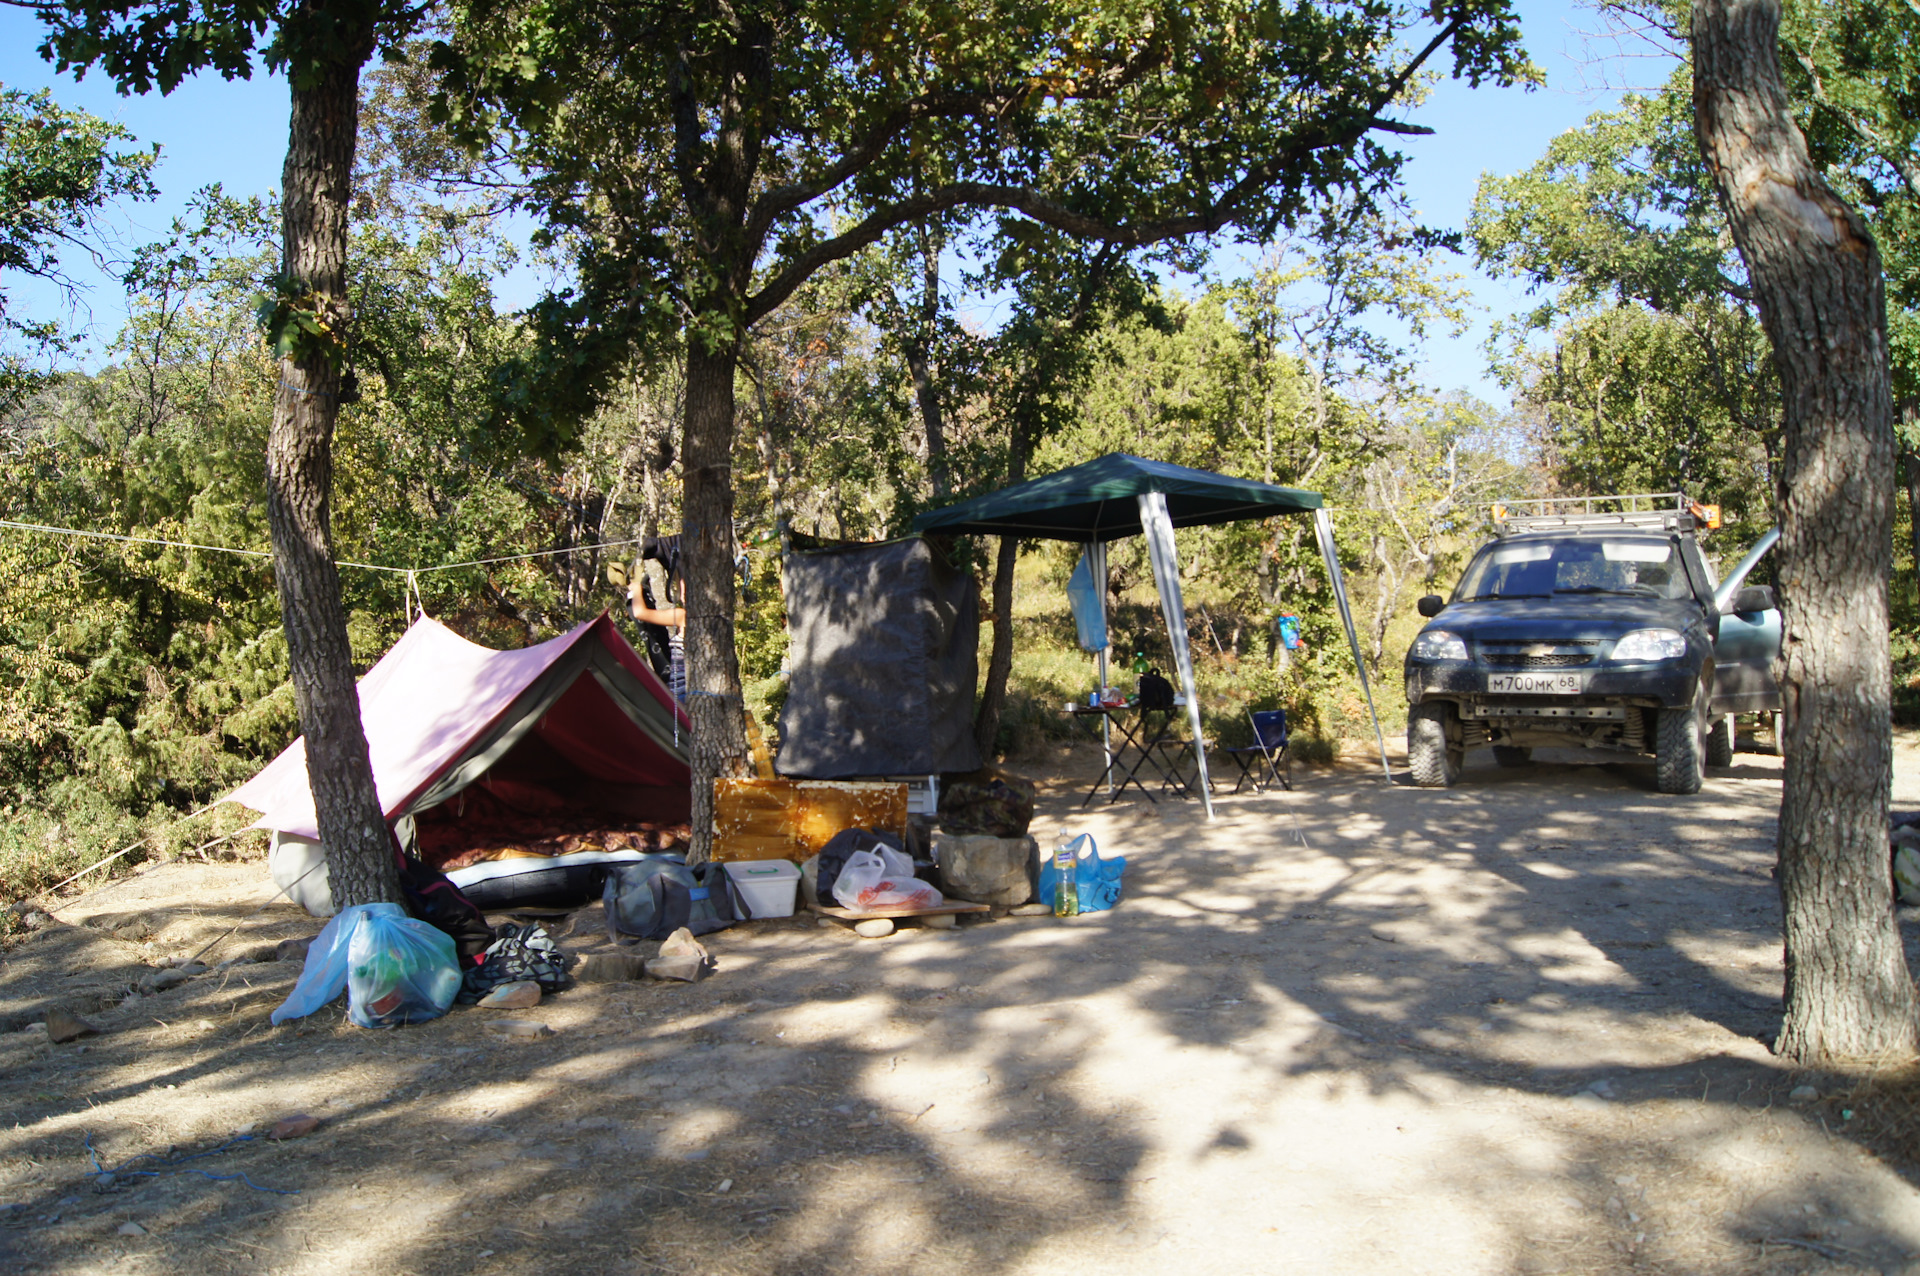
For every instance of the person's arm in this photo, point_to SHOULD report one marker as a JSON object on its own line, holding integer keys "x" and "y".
{"x": 671, "y": 617}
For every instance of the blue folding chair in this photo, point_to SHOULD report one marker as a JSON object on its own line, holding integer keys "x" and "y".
{"x": 1270, "y": 739}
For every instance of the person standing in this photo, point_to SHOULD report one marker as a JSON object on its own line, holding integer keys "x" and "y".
{"x": 674, "y": 621}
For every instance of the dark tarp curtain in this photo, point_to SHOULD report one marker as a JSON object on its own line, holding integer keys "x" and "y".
{"x": 883, "y": 663}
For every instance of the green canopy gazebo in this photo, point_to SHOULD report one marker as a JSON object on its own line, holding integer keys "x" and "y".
{"x": 1120, "y": 495}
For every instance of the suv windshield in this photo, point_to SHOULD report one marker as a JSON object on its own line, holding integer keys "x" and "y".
{"x": 1545, "y": 567}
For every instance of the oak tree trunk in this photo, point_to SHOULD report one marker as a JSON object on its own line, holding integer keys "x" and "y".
{"x": 718, "y": 746}
{"x": 1816, "y": 274}
{"x": 316, "y": 185}
{"x": 993, "y": 698}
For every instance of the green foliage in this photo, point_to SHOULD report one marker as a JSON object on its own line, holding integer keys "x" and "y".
{"x": 58, "y": 169}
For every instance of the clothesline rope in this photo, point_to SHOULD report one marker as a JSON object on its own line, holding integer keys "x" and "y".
{"x": 49, "y": 530}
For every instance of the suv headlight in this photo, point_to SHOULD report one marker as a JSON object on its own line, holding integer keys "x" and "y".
{"x": 1651, "y": 644}
{"x": 1439, "y": 644}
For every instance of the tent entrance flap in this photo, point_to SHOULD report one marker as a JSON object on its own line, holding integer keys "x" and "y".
{"x": 1158, "y": 526}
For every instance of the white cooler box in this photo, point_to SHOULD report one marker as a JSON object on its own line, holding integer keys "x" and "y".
{"x": 769, "y": 887}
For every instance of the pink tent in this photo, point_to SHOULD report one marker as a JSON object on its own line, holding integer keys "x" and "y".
{"x": 578, "y": 723}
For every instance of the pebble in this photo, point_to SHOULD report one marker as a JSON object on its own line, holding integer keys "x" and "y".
{"x": 293, "y": 1127}
{"x": 101, "y": 1182}
{"x": 940, "y": 921}
{"x": 161, "y": 980}
{"x": 1032, "y": 910}
{"x": 1803, "y": 1094}
{"x": 726, "y": 1185}
{"x": 520, "y": 1029}
{"x": 131, "y": 1229}
{"x": 522, "y": 994}
{"x": 874, "y": 928}
{"x": 1603, "y": 1087}
{"x": 63, "y": 1027}
{"x": 291, "y": 949}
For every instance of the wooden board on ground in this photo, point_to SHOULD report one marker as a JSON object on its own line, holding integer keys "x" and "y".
{"x": 848, "y": 915}
{"x": 792, "y": 819}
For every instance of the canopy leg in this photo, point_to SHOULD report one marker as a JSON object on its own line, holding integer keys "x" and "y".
{"x": 1158, "y": 526}
{"x": 1323, "y": 529}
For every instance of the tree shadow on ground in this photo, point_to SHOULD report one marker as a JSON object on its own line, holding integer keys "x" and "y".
{"x": 1348, "y": 1028}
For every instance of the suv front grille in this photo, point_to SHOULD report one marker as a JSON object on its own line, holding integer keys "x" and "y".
{"x": 1512, "y": 653}
{"x": 1511, "y": 660}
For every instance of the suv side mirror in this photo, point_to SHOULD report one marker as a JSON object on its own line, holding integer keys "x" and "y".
{"x": 1752, "y": 599}
{"x": 1430, "y": 605}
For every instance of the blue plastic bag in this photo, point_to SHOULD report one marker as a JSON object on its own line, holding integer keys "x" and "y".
{"x": 324, "y": 977}
{"x": 399, "y": 970}
{"x": 1089, "y": 613}
{"x": 1096, "y": 880}
{"x": 395, "y": 969}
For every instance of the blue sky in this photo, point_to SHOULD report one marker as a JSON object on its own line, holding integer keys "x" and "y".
{"x": 235, "y": 132}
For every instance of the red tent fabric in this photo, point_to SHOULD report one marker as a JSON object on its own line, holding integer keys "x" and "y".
{"x": 441, "y": 712}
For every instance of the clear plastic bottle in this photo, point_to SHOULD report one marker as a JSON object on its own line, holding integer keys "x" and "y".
{"x": 1066, "y": 891}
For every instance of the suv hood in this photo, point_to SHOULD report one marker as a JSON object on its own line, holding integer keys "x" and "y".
{"x": 1565, "y": 616}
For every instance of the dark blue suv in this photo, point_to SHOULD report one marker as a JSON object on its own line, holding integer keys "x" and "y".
{"x": 1592, "y": 629}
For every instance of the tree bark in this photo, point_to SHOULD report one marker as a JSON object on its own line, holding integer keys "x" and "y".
{"x": 993, "y": 698}
{"x": 917, "y": 348}
{"x": 316, "y": 185}
{"x": 718, "y": 744}
{"x": 1816, "y": 273}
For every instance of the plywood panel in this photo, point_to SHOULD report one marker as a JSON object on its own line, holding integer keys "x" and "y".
{"x": 792, "y": 819}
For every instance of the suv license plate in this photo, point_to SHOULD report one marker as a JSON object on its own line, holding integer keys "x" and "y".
{"x": 1536, "y": 684}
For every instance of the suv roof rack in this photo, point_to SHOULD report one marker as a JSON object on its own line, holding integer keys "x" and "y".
{"x": 1647, "y": 511}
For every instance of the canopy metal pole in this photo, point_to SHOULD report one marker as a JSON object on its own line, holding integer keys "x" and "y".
{"x": 1096, "y": 552}
{"x": 1323, "y": 529}
{"x": 1157, "y": 524}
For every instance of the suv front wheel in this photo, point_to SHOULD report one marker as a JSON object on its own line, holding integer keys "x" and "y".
{"x": 1432, "y": 752}
{"x": 1680, "y": 749}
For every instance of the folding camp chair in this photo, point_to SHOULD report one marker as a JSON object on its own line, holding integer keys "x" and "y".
{"x": 1270, "y": 739}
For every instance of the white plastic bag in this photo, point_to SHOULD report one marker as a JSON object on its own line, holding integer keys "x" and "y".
{"x": 884, "y": 879}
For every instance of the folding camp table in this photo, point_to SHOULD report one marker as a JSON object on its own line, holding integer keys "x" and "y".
{"x": 1136, "y": 735}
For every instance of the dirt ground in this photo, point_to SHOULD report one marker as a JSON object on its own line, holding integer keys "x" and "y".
{"x": 1514, "y": 1027}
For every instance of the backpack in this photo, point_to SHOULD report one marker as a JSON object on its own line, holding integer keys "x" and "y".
{"x": 435, "y": 900}
{"x": 652, "y": 897}
{"x": 1155, "y": 691}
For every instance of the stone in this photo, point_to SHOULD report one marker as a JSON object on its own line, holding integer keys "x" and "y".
{"x": 1032, "y": 910}
{"x": 682, "y": 944}
{"x": 35, "y": 920}
{"x": 940, "y": 921}
{"x": 985, "y": 870}
{"x": 688, "y": 969}
{"x": 293, "y": 1127}
{"x": 292, "y": 949}
{"x": 161, "y": 980}
{"x": 521, "y": 994}
{"x": 1803, "y": 1094}
{"x": 1603, "y": 1088}
{"x": 63, "y": 1027}
{"x": 874, "y": 928}
{"x": 520, "y": 1029}
{"x": 609, "y": 968}
{"x": 131, "y": 1228}
{"x": 103, "y": 1182}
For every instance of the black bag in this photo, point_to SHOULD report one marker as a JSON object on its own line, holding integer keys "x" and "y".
{"x": 519, "y": 953}
{"x": 834, "y": 856}
{"x": 438, "y": 902}
{"x": 653, "y": 897}
{"x": 1155, "y": 692}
